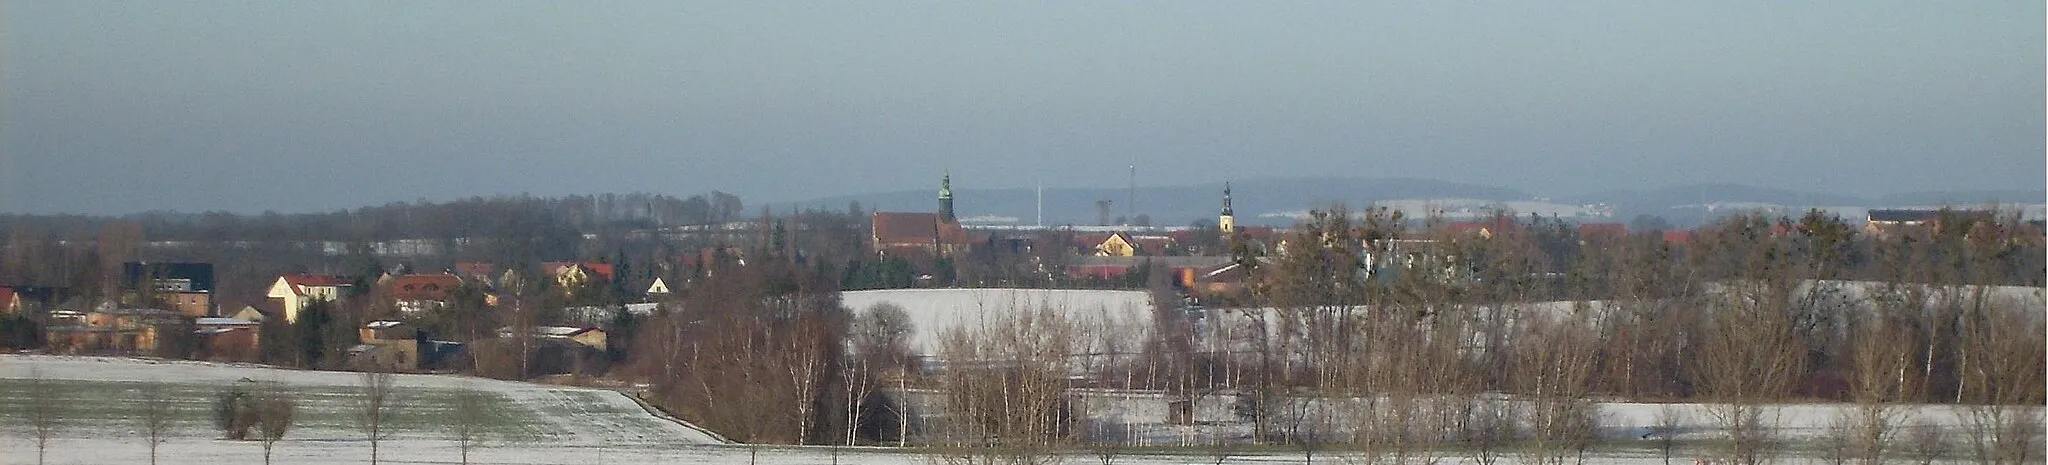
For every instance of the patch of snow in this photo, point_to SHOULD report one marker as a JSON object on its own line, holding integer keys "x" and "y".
{"x": 934, "y": 311}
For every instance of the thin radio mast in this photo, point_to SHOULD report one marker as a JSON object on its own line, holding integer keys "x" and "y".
{"x": 1131, "y": 197}
{"x": 1041, "y": 204}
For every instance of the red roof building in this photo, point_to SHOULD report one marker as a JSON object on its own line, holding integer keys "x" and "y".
{"x": 435, "y": 287}
{"x": 1153, "y": 245}
{"x": 475, "y": 270}
{"x": 300, "y": 283}
{"x": 898, "y": 233}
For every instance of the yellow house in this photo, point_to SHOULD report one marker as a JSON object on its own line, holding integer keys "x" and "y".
{"x": 295, "y": 292}
{"x": 1117, "y": 245}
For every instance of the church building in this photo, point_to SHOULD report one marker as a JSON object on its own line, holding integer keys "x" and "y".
{"x": 908, "y": 234}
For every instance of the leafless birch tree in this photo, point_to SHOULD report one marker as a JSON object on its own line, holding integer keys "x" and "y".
{"x": 467, "y": 415}
{"x": 44, "y": 410}
{"x": 156, "y": 416}
{"x": 374, "y": 403}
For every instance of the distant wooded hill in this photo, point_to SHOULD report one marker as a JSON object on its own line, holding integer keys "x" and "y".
{"x": 1180, "y": 205}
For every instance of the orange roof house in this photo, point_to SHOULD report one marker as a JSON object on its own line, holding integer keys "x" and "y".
{"x": 416, "y": 293}
{"x": 424, "y": 286}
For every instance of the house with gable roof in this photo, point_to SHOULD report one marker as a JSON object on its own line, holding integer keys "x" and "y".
{"x": 416, "y": 293}
{"x": 228, "y": 339}
{"x": 570, "y": 275}
{"x": 294, "y": 292}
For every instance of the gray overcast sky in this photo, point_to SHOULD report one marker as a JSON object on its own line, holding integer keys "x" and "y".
{"x": 114, "y": 107}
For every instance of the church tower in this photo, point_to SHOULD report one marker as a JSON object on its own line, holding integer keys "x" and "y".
{"x": 946, "y": 198}
{"x": 1228, "y": 220}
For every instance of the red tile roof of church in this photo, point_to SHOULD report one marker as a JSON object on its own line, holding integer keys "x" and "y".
{"x": 897, "y": 228}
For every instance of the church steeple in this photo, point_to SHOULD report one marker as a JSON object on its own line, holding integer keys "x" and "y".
{"x": 1226, "y": 198}
{"x": 946, "y": 197}
{"x": 1228, "y": 220}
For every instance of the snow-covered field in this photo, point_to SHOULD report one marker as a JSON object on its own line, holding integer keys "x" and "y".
{"x": 934, "y": 311}
{"x": 541, "y": 424}
{"x": 99, "y": 397}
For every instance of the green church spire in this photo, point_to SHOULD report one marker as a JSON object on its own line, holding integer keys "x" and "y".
{"x": 946, "y": 197}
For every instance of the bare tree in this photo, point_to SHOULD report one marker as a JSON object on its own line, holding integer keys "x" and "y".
{"x": 1878, "y": 362}
{"x": 764, "y": 346}
{"x": 373, "y": 406}
{"x": 1926, "y": 442}
{"x": 1107, "y": 436}
{"x": 155, "y": 417}
{"x": 808, "y": 367}
{"x": 1556, "y": 366}
{"x": 1751, "y": 349}
{"x": 234, "y": 412}
{"x": 1004, "y": 386}
{"x": 877, "y": 339}
{"x": 1836, "y": 442}
{"x": 1492, "y": 426}
{"x": 276, "y": 412}
{"x": 468, "y": 416}
{"x": 45, "y": 411}
{"x": 1223, "y": 449}
{"x": 879, "y": 335}
{"x": 1664, "y": 428}
{"x": 2005, "y": 348}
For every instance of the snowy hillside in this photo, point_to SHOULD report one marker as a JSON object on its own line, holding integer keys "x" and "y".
{"x": 102, "y": 387}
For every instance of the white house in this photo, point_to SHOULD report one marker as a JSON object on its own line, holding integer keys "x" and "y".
{"x": 295, "y": 292}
